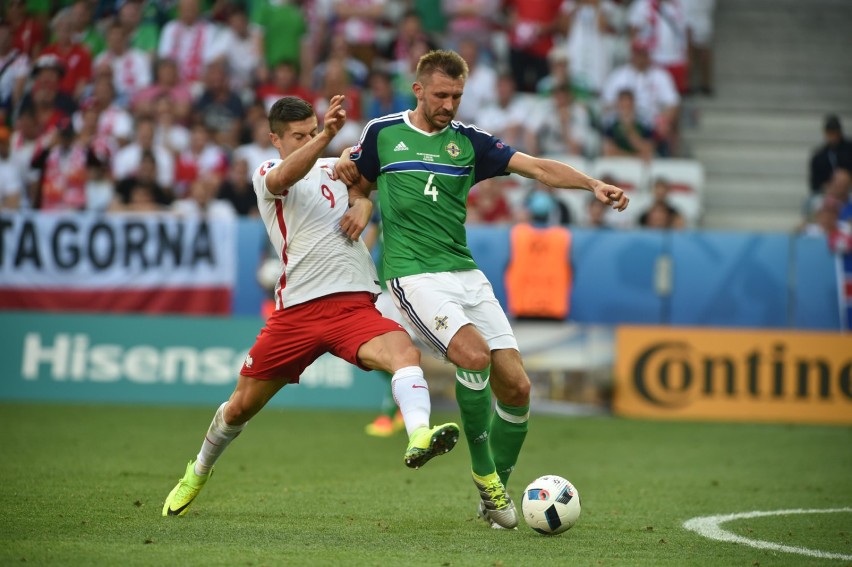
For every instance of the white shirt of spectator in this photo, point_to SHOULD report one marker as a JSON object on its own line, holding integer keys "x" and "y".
{"x": 18, "y": 66}
{"x": 254, "y": 153}
{"x": 496, "y": 120}
{"x": 193, "y": 47}
{"x": 217, "y": 209}
{"x": 548, "y": 126}
{"x": 243, "y": 58}
{"x": 665, "y": 31}
{"x": 699, "y": 19}
{"x": 127, "y": 160}
{"x": 131, "y": 71}
{"x": 303, "y": 224}
{"x": 589, "y": 49}
{"x": 480, "y": 90}
{"x": 653, "y": 90}
{"x": 11, "y": 180}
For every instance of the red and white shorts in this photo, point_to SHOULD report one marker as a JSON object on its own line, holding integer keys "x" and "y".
{"x": 296, "y": 336}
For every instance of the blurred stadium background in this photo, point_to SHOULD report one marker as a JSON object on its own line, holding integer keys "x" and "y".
{"x": 130, "y": 245}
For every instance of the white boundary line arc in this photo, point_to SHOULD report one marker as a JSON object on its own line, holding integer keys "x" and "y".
{"x": 709, "y": 527}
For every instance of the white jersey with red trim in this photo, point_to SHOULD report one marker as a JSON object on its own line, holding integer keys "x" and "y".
{"x": 303, "y": 223}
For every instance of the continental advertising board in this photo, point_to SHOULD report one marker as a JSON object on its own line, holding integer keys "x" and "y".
{"x": 155, "y": 359}
{"x": 733, "y": 375}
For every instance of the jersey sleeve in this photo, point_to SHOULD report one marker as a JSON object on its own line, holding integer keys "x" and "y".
{"x": 492, "y": 155}
{"x": 259, "y": 179}
{"x": 365, "y": 154}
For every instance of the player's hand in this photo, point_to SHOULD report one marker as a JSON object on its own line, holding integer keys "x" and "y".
{"x": 346, "y": 170}
{"x": 335, "y": 116}
{"x": 356, "y": 219}
{"x": 611, "y": 195}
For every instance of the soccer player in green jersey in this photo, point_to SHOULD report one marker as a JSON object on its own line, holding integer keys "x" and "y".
{"x": 424, "y": 164}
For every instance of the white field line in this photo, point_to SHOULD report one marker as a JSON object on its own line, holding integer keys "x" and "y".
{"x": 710, "y": 527}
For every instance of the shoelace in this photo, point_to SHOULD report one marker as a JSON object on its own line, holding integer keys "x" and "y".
{"x": 497, "y": 493}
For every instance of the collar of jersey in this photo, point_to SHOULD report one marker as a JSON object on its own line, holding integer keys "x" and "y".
{"x": 424, "y": 132}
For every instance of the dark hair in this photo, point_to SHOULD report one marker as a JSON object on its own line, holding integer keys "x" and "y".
{"x": 288, "y": 109}
{"x": 449, "y": 63}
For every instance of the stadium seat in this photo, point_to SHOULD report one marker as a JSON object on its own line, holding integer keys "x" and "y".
{"x": 629, "y": 173}
{"x": 686, "y": 181}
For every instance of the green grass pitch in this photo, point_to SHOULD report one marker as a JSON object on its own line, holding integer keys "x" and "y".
{"x": 84, "y": 485}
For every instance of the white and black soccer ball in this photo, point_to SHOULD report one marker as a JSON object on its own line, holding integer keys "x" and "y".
{"x": 551, "y": 505}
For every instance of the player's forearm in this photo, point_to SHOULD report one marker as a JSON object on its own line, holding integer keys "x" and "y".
{"x": 360, "y": 190}
{"x": 557, "y": 174}
{"x": 298, "y": 164}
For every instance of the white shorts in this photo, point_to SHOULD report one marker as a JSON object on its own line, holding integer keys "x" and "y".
{"x": 385, "y": 305}
{"x": 436, "y": 306}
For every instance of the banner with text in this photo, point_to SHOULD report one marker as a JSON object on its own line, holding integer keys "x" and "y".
{"x": 169, "y": 360}
{"x": 120, "y": 263}
{"x": 733, "y": 375}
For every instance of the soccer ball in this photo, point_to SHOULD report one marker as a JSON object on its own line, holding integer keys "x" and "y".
{"x": 551, "y": 505}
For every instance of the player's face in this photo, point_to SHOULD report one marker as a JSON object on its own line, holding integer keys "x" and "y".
{"x": 438, "y": 98}
{"x": 294, "y": 136}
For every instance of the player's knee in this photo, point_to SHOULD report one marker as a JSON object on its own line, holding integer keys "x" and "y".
{"x": 237, "y": 412}
{"x": 474, "y": 359}
{"x": 517, "y": 391}
{"x": 408, "y": 355}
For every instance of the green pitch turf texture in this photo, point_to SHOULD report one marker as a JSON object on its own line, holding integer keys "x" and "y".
{"x": 84, "y": 485}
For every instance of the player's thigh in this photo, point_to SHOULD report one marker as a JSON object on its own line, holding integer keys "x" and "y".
{"x": 432, "y": 304}
{"x": 486, "y": 313}
{"x": 389, "y": 352}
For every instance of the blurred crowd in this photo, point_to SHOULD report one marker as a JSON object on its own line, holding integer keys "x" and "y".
{"x": 124, "y": 105}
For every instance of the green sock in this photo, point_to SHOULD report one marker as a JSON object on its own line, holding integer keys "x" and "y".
{"x": 475, "y": 408}
{"x": 388, "y": 405}
{"x": 508, "y": 431}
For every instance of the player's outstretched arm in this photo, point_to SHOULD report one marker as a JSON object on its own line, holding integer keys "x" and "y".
{"x": 297, "y": 165}
{"x": 557, "y": 174}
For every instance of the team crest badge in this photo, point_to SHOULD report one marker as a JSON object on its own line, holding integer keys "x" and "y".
{"x": 440, "y": 323}
{"x": 453, "y": 149}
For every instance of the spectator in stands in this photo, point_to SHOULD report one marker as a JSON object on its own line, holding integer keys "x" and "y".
{"x": 49, "y": 104}
{"x": 244, "y": 49}
{"x": 287, "y": 27}
{"x": 24, "y": 144}
{"x": 409, "y": 34}
{"x": 191, "y": 41}
{"x": 114, "y": 123}
{"x": 699, "y": 28}
{"x": 218, "y": 107}
{"x": 657, "y": 100}
{"x": 14, "y": 71}
{"x": 543, "y": 208}
{"x": 11, "y": 179}
{"x": 382, "y": 99}
{"x": 203, "y": 158}
{"x": 340, "y": 53}
{"x": 166, "y": 81}
{"x": 284, "y": 81}
{"x": 357, "y": 21}
{"x": 661, "y": 214}
{"x": 128, "y": 159}
{"x": 480, "y": 89}
{"x": 835, "y": 153}
{"x": 588, "y": 46}
{"x": 202, "y": 200}
{"x": 83, "y": 26}
{"x": 563, "y": 125}
{"x": 507, "y": 117}
{"x": 29, "y": 33}
{"x": 487, "y": 204}
{"x": 531, "y": 29}
{"x": 661, "y": 24}
{"x": 238, "y": 190}
{"x": 827, "y": 223}
{"x": 336, "y": 81}
{"x": 64, "y": 171}
{"x": 626, "y": 134}
{"x": 168, "y": 132}
{"x": 75, "y": 57}
{"x": 596, "y": 213}
{"x": 141, "y": 191}
{"x": 257, "y": 151}
{"x": 131, "y": 67}
{"x": 472, "y": 20}
{"x": 139, "y": 20}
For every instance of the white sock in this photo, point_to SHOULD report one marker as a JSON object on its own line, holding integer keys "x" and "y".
{"x": 411, "y": 394}
{"x": 219, "y": 435}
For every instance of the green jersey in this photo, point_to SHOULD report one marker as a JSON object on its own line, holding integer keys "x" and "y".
{"x": 423, "y": 181}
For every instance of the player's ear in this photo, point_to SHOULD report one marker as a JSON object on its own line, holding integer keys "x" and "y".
{"x": 417, "y": 87}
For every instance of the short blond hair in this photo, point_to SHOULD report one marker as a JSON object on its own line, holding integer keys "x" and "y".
{"x": 447, "y": 62}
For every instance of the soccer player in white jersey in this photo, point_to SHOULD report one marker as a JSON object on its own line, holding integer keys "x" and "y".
{"x": 424, "y": 164}
{"x": 324, "y": 298}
